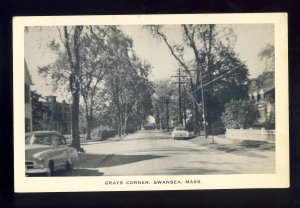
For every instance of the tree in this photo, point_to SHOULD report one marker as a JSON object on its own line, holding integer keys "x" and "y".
{"x": 164, "y": 102}
{"x": 240, "y": 114}
{"x": 40, "y": 119}
{"x": 66, "y": 69}
{"x": 95, "y": 60}
{"x": 212, "y": 69}
{"x": 127, "y": 80}
{"x": 267, "y": 54}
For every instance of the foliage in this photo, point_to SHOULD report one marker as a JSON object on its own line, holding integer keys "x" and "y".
{"x": 98, "y": 64}
{"x": 40, "y": 120}
{"x": 213, "y": 65}
{"x": 217, "y": 128}
{"x": 240, "y": 114}
{"x": 164, "y": 101}
{"x": 127, "y": 83}
{"x": 265, "y": 80}
{"x": 267, "y": 54}
{"x": 65, "y": 70}
{"x": 105, "y": 134}
{"x": 270, "y": 123}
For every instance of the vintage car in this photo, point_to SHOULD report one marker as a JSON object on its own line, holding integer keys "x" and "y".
{"x": 46, "y": 152}
{"x": 180, "y": 133}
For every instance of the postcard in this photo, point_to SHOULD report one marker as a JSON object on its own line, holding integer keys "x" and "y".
{"x": 150, "y": 102}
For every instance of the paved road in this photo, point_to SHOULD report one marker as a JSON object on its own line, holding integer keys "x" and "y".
{"x": 156, "y": 153}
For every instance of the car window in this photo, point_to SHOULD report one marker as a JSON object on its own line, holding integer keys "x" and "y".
{"x": 180, "y": 129}
{"x": 28, "y": 138}
{"x": 42, "y": 139}
{"x": 58, "y": 140}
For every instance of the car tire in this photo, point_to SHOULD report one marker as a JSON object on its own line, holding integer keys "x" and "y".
{"x": 50, "y": 169}
{"x": 69, "y": 165}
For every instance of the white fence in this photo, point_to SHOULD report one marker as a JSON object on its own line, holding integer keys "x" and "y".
{"x": 251, "y": 134}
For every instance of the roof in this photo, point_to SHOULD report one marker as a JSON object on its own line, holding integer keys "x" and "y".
{"x": 263, "y": 82}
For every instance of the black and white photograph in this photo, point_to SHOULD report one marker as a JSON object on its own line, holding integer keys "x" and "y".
{"x": 137, "y": 106}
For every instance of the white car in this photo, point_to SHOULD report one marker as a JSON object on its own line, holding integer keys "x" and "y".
{"x": 46, "y": 152}
{"x": 180, "y": 133}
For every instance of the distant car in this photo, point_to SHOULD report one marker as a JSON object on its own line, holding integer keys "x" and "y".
{"x": 180, "y": 133}
{"x": 150, "y": 126}
{"x": 46, "y": 152}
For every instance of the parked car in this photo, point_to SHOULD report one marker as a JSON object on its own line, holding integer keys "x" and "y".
{"x": 46, "y": 152}
{"x": 180, "y": 133}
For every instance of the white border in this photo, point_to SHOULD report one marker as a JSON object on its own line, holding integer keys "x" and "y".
{"x": 69, "y": 184}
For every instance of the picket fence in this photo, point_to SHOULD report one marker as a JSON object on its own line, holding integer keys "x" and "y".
{"x": 251, "y": 134}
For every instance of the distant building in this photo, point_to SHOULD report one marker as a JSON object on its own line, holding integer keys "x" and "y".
{"x": 262, "y": 91}
{"x": 59, "y": 116}
{"x": 27, "y": 93}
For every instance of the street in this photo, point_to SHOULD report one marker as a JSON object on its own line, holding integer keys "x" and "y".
{"x": 154, "y": 152}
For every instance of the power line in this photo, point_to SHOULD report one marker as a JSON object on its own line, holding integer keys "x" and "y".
{"x": 217, "y": 77}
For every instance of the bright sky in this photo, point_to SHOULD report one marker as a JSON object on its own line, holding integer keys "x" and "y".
{"x": 251, "y": 38}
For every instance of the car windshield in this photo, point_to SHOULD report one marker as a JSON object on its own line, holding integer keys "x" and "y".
{"x": 44, "y": 139}
{"x": 180, "y": 129}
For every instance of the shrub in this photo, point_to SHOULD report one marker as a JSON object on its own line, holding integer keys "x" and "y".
{"x": 217, "y": 128}
{"x": 105, "y": 134}
{"x": 239, "y": 114}
{"x": 130, "y": 130}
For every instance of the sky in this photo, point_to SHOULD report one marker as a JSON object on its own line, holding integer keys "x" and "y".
{"x": 251, "y": 38}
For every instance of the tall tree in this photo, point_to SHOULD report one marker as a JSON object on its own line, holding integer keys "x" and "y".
{"x": 95, "y": 60}
{"x": 211, "y": 62}
{"x": 127, "y": 81}
{"x": 66, "y": 69}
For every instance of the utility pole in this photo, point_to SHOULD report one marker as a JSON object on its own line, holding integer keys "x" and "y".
{"x": 203, "y": 103}
{"x": 180, "y": 76}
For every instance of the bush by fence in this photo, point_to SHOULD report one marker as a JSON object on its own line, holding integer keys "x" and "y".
{"x": 251, "y": 134}
{"x": 99, "y": 134}
{"x": 105, "y": 134}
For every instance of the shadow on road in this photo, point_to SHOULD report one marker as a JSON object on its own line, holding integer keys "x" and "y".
{"x": 78, "y": 172}
{"x": 97, "y": 161}
{"x": 193, "y": 171}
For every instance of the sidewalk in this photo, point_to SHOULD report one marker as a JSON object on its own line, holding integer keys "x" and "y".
{"x": 236, "y": 146}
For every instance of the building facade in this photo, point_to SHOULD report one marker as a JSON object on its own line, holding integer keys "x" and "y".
{"x": 27, "y": 95}
{"x": 59, "y": 115}
{"x": 263, "y": 93}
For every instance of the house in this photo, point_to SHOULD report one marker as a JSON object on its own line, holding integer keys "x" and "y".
{"x": 59, "y": 116}
{"x": 262, "y": 91}
{"x": 27, "y": 94}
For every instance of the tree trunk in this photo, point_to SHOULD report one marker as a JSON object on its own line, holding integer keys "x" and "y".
{"x": 89, "y": 118}
{"x": 119, "y": 124}
{"x": 196, "y": 120}
{"x": 75, "y": 122}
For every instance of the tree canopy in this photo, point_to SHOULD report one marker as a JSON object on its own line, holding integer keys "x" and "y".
{"x": 215, "y": 73}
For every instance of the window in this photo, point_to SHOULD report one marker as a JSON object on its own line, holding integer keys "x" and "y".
{"x": 58, "y": 140}
{"x": 42, "y": 139}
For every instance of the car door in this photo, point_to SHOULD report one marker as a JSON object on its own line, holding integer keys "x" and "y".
{"x": 60, "y": 150}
